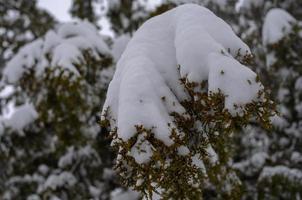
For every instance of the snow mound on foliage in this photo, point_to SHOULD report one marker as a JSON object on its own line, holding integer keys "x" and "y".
{"x": 277, "y": 24}
{"x": 232, "y": 78}
{"x": 247, "y": 4}
{"x": 146, "y": 86}
{"x": 62, "y": 48}
{"x": 294, "y": 175}
{"x": 22, "y": 116}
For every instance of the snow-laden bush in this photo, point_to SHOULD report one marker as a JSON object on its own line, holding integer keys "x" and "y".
{"x": 50, "y": 146}
{"x": 280, "y": 176}
{"x": 180, "y": 90}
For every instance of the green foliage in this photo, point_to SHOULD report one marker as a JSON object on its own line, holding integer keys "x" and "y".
{"x": 206, "y": 130}
{"x": 64, "y": 141}
{"x": 84, "y": 10}
{"x": 126, "y": 16}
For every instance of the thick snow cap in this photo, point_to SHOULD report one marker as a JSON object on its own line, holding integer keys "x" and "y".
{"x": 146, "y": 86}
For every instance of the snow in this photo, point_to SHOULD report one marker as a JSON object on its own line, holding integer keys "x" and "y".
{"x": 253, "y": 164}
{"x": 298, "y": 84}
{"x": 278, "y": 122}
{"x": 212, "y": 155}
{"x": 119, "y": 46}
{"x": 87, "y": 35}
{"x": 119, "y": 194}
{"x": 183, "y": 150}
{"x": 64, "y": 46}
{"x": 145, "y": 88}
{"x": 142, "y": 150}
{"x": 296, "y": 157}
{"x": 94, "y": 191}
{"x": 24, "y": 59}
{"x": 6, "y": 91}
{"x": 73, "y": 155}
{"x": 33, "y": 197}
{"x": 22, "y": 116}
{"x": 58, "y": 180}
{"x": 43, "y": 169}
{"x": 294, "y": 175}
{"x": 65, "y": 55}
{"x": 277, "y": 24}
{"x": 196, "y": 160}
{"x": 247, "y": 4}
{"x": 232, "y": 78}
{"x": 67, "y": 158}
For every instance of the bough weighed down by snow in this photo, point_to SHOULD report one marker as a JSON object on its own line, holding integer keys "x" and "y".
{"x": 177, "y": 91}
{"x": 61, "y": 48}
{"x": 193, "y": 38}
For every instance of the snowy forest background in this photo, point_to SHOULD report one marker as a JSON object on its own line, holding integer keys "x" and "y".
{"x": 54, "y": 143}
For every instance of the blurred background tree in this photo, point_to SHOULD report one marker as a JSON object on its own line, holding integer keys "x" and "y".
{"x": 84, "y": 10}
{"x": 20, "y": 23}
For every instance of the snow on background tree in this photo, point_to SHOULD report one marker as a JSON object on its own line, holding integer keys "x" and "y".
{"x": 270, "y": 163}
{"x": 59, "y": 82}
{"x": 127, "y": 15}
{"x": 173, "y": 105}
{"x": 281, "y": 174}
{"x": 84, "y": 10}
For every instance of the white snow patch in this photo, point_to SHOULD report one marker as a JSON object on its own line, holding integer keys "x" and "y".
{"x": 278, "y": 121}
{"x": 197, "y": 161}
{"x": 277, "y": 24}
{"x": 22, "y": 116}
{"x": 298, "y": 84}
{"x": 57, "y": 180}
{"x": 183, "y": 150}
{"x": 119, "y": 194}
{"x": 24, "y": 59}
{"x": 235, "y": 81}
{"x": 247, "y": 4}
{"x": 294, "y": 175}
{"x": 142, "y": 150}
{"x": 212, "y": 155}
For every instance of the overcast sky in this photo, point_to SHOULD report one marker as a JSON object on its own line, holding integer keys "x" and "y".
{"x": 60, "y": 10}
